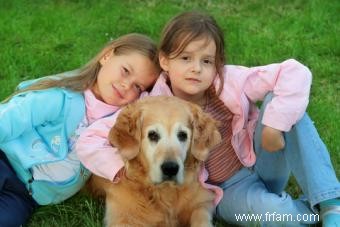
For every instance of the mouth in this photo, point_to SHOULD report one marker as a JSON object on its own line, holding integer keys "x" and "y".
{"x": 170, "y": 179}
{"x": 117, "y": 92}
{"x": 193, "y": 80}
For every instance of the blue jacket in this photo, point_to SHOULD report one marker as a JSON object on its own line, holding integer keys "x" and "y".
{"x": 34, "y": 129}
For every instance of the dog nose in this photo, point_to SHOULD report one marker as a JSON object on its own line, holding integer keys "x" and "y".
{"x": 170, "y": 168}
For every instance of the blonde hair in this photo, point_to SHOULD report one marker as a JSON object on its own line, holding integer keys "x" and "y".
{"x": 190, "y": 26}
{"x": 86, "y": 77}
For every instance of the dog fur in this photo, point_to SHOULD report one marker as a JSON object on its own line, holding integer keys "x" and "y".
{"x": 157, "y": 136}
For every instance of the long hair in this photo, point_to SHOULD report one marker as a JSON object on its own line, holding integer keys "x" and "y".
{"x": 86, "y": 77}
{"x": 190, "y": 26}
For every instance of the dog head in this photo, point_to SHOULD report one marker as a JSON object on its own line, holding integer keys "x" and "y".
{"x": 164, "y": 131}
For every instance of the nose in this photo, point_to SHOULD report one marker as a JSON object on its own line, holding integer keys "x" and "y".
{"x": 126, "y": 83}
{"x": 196, "y": 67}
{"x": 169, "y": 168}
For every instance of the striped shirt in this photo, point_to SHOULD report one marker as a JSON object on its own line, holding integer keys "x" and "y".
{"x": 222, "y": 162}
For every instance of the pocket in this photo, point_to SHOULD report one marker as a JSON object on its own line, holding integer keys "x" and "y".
{"x": 46, "y": 192}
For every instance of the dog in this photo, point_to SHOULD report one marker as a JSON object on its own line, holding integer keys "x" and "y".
{"x": 163, "y": 141}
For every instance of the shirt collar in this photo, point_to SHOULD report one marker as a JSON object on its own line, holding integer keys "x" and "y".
{"x": 96, "y": 108}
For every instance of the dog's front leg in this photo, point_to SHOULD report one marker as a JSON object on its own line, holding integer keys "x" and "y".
{"x": 201, "y": 217}
{"x": 114, "y": 217}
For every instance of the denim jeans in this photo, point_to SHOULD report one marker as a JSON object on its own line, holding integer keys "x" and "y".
{"x": 258, "y": 193}
{"x": 16, "y": 205}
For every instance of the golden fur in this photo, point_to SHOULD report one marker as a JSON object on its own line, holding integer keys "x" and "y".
{"x": 157, "y": 136}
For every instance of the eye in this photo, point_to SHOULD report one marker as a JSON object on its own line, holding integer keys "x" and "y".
{"x": 185, "y": 58}
{"x": 138, "y": 88}
{"x": 182, "y": 136}
{"x": 153, "y": 136}
{"x": 126, "y": 71}
{"x": 208, "y": 61}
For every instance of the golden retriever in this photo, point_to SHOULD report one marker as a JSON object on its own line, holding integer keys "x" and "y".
{"x": 164, "y": 141}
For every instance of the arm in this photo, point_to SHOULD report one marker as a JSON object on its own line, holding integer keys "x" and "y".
{"x": 290, "y": 86}
{"x": 290, "y": 82}
{"x": 95, "y": 152}
{"x": 29, "y": 110}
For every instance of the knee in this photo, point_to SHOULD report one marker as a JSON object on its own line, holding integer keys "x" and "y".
{"x": 255, "y": 200}
{"x": 271, "y": 202}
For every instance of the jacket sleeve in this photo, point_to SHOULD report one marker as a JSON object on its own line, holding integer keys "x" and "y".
{"x": 290, "y": 82}
{"x": 29, "y": 110}
{"x": 95, "y": 152}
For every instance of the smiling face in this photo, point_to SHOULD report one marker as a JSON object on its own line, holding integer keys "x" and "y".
{"x": 192, "y": 71}
{"x": 122, "y": 78}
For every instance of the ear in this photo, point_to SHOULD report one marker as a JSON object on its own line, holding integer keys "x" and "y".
{"x": 126, "y": 133}
{"x": 205, "y": 133}
{"x": 163, "y": 61}
{"x": 106, "y": 57}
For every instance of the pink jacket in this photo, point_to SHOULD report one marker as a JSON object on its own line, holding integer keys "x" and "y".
{"x": 290, "y": 82}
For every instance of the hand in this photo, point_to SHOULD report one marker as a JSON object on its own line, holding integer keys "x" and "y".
{"x": 272, "y": 139}
{"x": 119, "y": 175}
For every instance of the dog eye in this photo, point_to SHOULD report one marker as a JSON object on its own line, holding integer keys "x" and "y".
{"x": 182, "y": 136}
{"x": 153, "y": 136}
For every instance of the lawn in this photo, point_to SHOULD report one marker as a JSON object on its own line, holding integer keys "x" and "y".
{"x": 46, "y": 37}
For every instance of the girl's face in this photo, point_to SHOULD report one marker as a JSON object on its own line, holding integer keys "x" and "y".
{"x": 193, "y": 71}
{"x": 122, "y": 78}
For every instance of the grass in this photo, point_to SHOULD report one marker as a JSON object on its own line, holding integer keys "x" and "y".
{"x": 45, "y": 37}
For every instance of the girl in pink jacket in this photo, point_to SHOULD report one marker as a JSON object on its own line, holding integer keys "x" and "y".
{"x": 259, "y": 148}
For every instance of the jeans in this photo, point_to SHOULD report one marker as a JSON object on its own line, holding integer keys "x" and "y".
{"x": 16, "y": 205}
{"x": 258, "y": 193}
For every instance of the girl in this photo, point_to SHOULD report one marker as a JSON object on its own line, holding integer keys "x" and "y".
{"x": 259, "y": 149}
{"x": 40, "y": 123}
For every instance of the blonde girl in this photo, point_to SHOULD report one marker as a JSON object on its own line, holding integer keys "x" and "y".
{"x": 40, "y": 123}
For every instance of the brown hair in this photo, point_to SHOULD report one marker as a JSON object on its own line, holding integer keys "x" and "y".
{"x": 86, "y": 77}
{"x": 187, "y": 27}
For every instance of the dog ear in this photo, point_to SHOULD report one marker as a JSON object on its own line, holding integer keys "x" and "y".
{"x": 126, "y": 133}
{"x": 205, "y": 133}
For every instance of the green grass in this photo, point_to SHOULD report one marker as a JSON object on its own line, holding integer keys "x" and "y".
{"x": 41, "y": 37}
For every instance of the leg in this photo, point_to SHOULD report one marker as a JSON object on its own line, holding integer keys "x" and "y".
{"x": 201, "y": 217}
{"x": 305, "y": 155}
{"x": 272, "y": 167}
{"x": 14, "y": 210}
{"x": 247, "y": 202}
{"x": 310, "y": 162}
{"x": 16, "y": 205}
